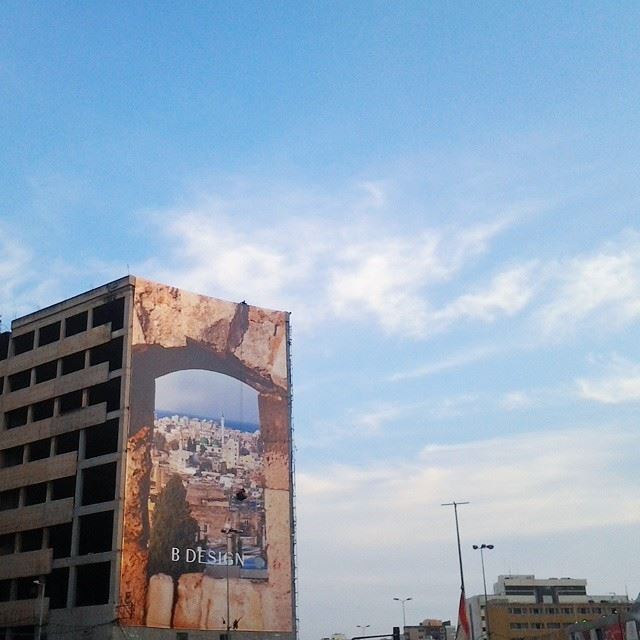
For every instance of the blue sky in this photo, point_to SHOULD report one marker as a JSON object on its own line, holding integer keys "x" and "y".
{"x": 446, "y": 197}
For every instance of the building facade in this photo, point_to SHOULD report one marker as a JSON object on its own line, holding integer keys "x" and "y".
{"x": 523, "y": 607}
{"x": 83, "y": 468}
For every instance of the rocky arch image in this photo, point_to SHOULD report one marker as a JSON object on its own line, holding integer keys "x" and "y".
{"x": 184, "y": 471}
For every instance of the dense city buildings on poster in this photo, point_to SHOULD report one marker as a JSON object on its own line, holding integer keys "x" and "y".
{"x": 90, "y": 468}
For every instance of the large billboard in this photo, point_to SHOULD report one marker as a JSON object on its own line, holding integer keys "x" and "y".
{"x": 207, "y": 531}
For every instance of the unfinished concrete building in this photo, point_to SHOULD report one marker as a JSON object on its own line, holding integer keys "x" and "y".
{"x": 65, "y": 386}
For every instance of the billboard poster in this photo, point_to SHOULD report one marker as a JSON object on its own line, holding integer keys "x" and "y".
{"x": 207, "y": 530}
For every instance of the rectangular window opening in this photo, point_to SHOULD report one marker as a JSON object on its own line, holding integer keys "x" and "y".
{"x": 31, "y": 540}
{"x": 60, "y": 540}
{"x": 110, "y": 312}
{"x": 92, "y": 584}
{"x": 62, "y": 488}
{"x": 72, "y": 362}
{"x": 71, "y": 402}
{"x": 26, "y": 589}
{"x": 48, "y": 334}
{"x": 20, "y": 380}
{"x": 99, "y": 483}
{"x": 9, "y": 499}
{"x": 96, "y": 533}
{"x": 67, "y": 442}
{"x": 12, "y": 457}
{"x": 102, "y": 439}
{"x": 56, "y": 588}
{"x": 43, "y": 410}
{"x": 110, "y": 352}
{"x": 108, "y": 392}
{"x": 7, "y": 544}
{"x": 23, "y": 343}
{"x": 46, "y": 371}
{"x": 5, "y": 338}
{"x": 35, "y": 493}
{"x": 75, "y": 324}
{"x": 16, "y": 418}
{"x": 40, "y": 449}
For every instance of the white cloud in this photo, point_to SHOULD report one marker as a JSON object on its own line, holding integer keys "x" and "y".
{"x": 515, "y": 400}
{"x": 531, "y": 484}
{"x": 601, "y": 288}
{"x": 508, "y": 293}
{"x": 620, "y": 384}
{"x": 454, "y": 361}
{"x": 349, "y": 266}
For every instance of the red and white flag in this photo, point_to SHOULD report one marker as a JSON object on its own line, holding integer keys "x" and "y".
{"x": 463, "y": 632}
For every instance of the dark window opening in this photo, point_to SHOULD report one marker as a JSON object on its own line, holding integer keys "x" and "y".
{"x": 99, "y": 483}
{"x": 46, "y": 371}
{"x": 62, "y": 488}
{"x": 35, "y": 493}
{"x": 108, "y": 392}
{"x": 20, "y": 380}
{"x": 67, "y": 442}
{"x": 7, "y": 544}
{"x": 26, "y": 589}
{"x": 110, "y": 352}
{"x": 92, "y": 584}
{"x": 40, "y": 449}
{"x": 5, "y": 337}
{"x": 23, "y": 343}
{"x": 9, "y": 499}
{"x": 49, "y": 334}
{"x": 73, "y": 362}
{"x": 60, "y": 540}
{"x": 5, "y": 590}
{"x": 12, "y": 457}
{"x": 96, "y": 532}
{"x": 27, "y": 632}
{"x": 16, "y": 418}
{"x": 75, "y": 324}
{"x": 43, "y": 410}
{"x": 101, "y": 439}
{"x": 1, "y": 385}
{"x": 71, "y": 401}
{"x": 31, "y": 540}
{"x": 112, "y": 312}
{"x": 56, "y": 588}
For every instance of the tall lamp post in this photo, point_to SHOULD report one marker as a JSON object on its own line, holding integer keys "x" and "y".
{"x": 230, "y": 532}
{"x": 40, "y": 584}
{"x": 482, "y": 547}
{"x": 362, "y": 627}
{"x": 404, "y": 617}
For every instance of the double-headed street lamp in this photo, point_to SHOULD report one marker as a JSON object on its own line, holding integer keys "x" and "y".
{"x": 482, "y": 547}
{"x": 404, "y": 617}
{"x": 362, "y": 627}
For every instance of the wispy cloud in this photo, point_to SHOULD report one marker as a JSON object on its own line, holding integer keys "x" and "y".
{"x": 601, "y": 288}
{"x": 531, "y": 483}
{"x": 619, "y": 384}
{"x": 454, "y": 361}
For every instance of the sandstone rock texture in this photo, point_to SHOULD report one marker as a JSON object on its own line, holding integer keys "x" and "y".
{"x": 174, "y": 330}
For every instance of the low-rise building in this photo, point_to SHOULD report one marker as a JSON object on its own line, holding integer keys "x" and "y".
{"x": 523, "y": 607}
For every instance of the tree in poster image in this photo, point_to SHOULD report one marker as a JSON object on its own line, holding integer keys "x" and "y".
{"x": 173, "y": 526}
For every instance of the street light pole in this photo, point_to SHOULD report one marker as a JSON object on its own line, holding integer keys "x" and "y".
{"x": 482, "y": 547}
{"x": 362, "y": 627}
{"x": 404, "y": 617}
{"x": 40, "y": 584}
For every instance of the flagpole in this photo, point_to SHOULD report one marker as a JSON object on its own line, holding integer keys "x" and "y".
{"x": 455, "y": 504}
